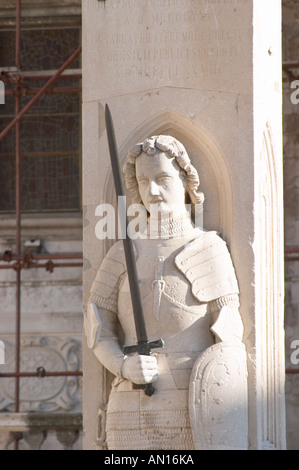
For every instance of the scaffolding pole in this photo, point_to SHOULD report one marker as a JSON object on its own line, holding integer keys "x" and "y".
{"x": 26, "y": 261}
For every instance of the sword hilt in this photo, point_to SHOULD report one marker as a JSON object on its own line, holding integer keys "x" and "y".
{"x": 144, "y": 348}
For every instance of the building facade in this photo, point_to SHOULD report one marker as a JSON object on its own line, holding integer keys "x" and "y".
{"x": 41, "y": 223}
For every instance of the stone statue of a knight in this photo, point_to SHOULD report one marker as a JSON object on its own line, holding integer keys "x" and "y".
{"x": 190, "y": 298}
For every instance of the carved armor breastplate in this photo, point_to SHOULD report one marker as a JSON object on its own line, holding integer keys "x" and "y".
{"x": 171, "y": 313}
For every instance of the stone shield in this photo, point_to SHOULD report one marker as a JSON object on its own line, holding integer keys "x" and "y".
{"x": 218, "y": 398}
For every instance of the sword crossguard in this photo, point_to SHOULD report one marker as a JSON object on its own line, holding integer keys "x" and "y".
{"x": 144, "y": 348}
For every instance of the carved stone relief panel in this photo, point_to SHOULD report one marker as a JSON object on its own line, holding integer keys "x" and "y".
{"x": 54, "y": 393}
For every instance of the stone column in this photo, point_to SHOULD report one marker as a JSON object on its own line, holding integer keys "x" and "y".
{"x": 209, "y": 73}
{"x": 2, "y": 353}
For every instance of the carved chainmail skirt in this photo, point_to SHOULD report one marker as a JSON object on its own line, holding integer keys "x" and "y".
{"x": 148, "y": 423}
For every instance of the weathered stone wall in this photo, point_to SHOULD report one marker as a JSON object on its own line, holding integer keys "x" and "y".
{"x": 40, "y": 431}
{"x": 291, "y": 198}
{"x": 51, "y": 324}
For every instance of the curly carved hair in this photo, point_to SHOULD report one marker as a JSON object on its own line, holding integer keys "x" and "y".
{"x": 174, "y": 149}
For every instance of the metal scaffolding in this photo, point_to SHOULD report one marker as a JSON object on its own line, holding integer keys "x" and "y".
{"x": 18, "y": 261}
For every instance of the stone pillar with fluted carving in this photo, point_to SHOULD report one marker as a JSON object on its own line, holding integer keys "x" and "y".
{"x": 209, "y": 74}
{"x": 2, "y": 353}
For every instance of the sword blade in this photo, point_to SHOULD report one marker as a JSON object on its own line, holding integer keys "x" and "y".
{"x": 128, "y": 244}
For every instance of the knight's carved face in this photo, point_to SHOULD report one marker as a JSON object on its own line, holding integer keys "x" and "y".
{"x": 160, "y": 184}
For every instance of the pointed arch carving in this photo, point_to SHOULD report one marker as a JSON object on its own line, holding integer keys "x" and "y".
{"x": 270, "y": 278}
{"x": 206, "y": 157}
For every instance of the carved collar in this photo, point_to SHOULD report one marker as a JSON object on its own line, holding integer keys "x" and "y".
{"x": 173, "y": 227}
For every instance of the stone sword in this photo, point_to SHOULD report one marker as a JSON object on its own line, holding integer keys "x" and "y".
{"x": 143, "y": 346}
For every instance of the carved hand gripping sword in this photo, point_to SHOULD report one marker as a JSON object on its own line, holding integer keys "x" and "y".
{"x": 143, "y": 346}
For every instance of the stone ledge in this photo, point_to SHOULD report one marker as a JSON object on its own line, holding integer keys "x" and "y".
{"x": 23, "y": 422}
{"x": 42, "y": 8}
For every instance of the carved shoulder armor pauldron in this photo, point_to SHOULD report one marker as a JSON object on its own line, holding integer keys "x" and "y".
{"x": 104, "y": 290}
{"x": 207, "y": 265}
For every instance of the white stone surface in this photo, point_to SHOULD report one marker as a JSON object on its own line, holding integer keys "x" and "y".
{"x": 187, "y": 283}
{"x": 2, "y": 353}
{"x": 218, "y": 398}
{"x": 210, "y": 87}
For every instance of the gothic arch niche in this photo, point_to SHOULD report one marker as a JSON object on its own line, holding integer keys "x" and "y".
{"x": 270, "y": 274}
{"x": 206, "y": 156}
